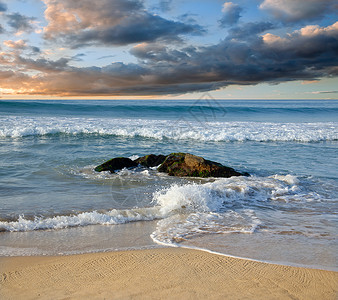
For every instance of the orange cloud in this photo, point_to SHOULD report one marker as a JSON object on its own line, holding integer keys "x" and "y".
{"x": 20, "y": 44}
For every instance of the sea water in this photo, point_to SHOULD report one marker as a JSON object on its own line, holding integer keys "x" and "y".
{"x": 53, "y": 202}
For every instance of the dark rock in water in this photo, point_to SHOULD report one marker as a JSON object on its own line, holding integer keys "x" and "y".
{"x": 185, "y": 164}
{"x": 115, "y": 164}
{"x": 151, "y": 160}
{"x": 174, "y": 164}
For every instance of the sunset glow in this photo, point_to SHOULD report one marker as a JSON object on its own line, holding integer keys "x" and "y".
{"x": 135, "y": 49}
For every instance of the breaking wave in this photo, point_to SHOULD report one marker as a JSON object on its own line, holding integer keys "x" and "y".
{"x": 184, "y": 211}
{"x": 112, "y": 217}
{"x": 19, "y": 126}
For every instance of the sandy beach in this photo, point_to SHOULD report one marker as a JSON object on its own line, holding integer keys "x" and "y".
{"x": 165, "y": 273}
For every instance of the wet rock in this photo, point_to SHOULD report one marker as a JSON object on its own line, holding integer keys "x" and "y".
{"x": 151, "y": 160}
{"x": 174, "y": 164}
{"x": 116, "y": 164}
{"x": 185, "y": 164}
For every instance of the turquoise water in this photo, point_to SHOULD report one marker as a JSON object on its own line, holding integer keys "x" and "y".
{"x": 52, "y": 201}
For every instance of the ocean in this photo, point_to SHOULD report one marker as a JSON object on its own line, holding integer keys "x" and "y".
{"x": 52, "y": 202}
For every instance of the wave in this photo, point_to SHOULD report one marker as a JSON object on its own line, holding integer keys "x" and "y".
{"x": 189, "y": 209}
{"x": 20, "y": 126}
{"x": 112, "y": 217}
{"x": 225, "y": 193}
{"x": 224, "y": 206}
{"x": 179, "y": 228}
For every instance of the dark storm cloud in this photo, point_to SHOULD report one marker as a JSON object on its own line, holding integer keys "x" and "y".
{"x": 110, "y": 23}
{"x": 140, "y": 28}
{"x": 20, "y": 22}
{"x": 128, "y": 71}
{"x": 247, "y": 56}
{"x": 44, "y": 65}
{"x": 299, "y": 10}
{"x": 309, "y": 53}
{"x": 231, "y": 14}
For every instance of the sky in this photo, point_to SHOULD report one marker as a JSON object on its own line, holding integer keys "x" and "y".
{"x": 168, "y": 49}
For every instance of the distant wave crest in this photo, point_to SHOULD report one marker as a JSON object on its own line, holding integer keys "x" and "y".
{"x": 19, "y": 126}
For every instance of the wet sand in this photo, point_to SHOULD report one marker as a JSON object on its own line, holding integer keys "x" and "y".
{"x": 164, "y": 273}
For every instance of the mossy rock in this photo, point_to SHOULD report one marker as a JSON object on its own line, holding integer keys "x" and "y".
{"x": 172, "y": 161}
{"x": 188, "y": 165}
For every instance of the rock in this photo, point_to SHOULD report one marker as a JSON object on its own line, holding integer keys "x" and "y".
{"x": 115, "y": 164}
{"x": 151, "y": 160}
{"x": 185, "y": 164}
{"x": 174, "y": 164}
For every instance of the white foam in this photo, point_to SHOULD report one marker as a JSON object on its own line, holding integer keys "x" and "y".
{"x": 26, "y": 251}
{"x": 178, "y": 228}
{"x": 193, "y": 209}
{"x": 188, "y": 209}
{"x": 138, "y": 173}
{"x": 88, "y": 172}
{"x": 112, "y": 217}
{"x": 134, "y": 157}
{"x": 20, "y": 126}
{"x": 214, "y": 196}
{"x": 289, "y": 179}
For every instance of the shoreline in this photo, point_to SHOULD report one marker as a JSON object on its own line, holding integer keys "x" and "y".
{"x": 164, "y": 273}
{"x": 280, "y": 263}
{"x": 159, "y": 245}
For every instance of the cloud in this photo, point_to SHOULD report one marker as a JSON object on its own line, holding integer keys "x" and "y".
{"x": 308, "y": 54}
{"x": 231, "y": 14}
{"x": 44, "y": 65}
{"x": 159, "y": 53}
{"x": 309, "y": 41}
{"x": 20, "y": 23}
{"x": 3, "y": 7}
{"x": 298, "y": 10}
{"x": 78, "y": 57}
{"x": 118, "y": 22}
{"x": 20, "y": 44}
{"x": 35, "y": 50}
{"x": 250, "y": 29}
